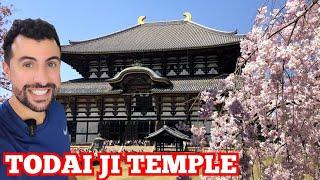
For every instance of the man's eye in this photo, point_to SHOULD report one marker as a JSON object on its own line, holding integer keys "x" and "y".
{"x": 52, "y": 64}
{"x": 28, "y": 65}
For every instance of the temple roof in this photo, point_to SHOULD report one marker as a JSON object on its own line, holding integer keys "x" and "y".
{"x": 156, "y": 36}
{"x": 173, "y": 132}
{"x": 137, "y": 69}
{"x": 194, "y": 85}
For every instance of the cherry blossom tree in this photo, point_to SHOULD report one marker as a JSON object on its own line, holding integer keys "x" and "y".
{"x": 270, "y": 111}
{"x": 5, "y": 12}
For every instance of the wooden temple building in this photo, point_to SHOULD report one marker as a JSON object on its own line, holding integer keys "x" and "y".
{"x": 141, "y": 78}
{"x": 167, "y": 135}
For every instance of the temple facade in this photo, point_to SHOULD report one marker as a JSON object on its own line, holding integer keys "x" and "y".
{"x": 138, "y": 79}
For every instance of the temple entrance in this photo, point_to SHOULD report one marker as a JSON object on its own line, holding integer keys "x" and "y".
{"x": 126, "y": 130}
{"x": 113, "y": 130}
{"x": 136, "y": 83}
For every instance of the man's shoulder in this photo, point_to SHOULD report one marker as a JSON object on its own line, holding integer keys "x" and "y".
{"x": 56, "y": 107}
{"x": 56, "y": 104}
{"x": 3, "y": 111}
{"x": 6, "y": 144}
{"x": 2, "y": 107}
{"x": 57, "y": 111}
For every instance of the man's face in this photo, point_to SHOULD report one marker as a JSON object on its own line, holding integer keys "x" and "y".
{"x": 34, "y": 72}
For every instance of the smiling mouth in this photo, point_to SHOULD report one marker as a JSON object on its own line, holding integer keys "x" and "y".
{"x": 39, "y": 92}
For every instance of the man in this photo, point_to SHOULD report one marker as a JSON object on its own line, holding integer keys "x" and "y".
{"x": 32, "y": 65}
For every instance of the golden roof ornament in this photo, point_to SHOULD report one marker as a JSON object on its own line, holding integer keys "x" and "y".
{"x": 141, "y": 19}
{"x": 187, "y": 16}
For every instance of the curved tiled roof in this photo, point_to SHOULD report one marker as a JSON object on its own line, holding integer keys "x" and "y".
{"x": 169, "y": 130}
{"x": 195, "y": 85}
{"x": 158, "y": 36}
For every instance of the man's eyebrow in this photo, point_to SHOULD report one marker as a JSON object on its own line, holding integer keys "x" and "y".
{"x": 34, "y": 59}
{"x": 26, "y": 58}
{"x": 53, "y": 58}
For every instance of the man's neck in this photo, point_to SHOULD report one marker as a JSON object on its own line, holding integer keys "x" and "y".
{"x": 24, "y": 112}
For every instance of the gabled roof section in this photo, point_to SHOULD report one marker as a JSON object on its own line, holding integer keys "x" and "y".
{"x": 137, "y": 69}
{"x": 157, "y": 36}
{"x": 171, "y": 131}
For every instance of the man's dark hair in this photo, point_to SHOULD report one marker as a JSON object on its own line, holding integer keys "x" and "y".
{"x": 36, "y": 29}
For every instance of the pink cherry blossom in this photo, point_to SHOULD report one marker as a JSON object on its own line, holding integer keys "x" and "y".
{"x": 5, "y": 12}
{"x": 271, "y": 109}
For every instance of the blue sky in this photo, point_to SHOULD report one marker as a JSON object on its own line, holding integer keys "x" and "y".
{"x": 81, "y": 20}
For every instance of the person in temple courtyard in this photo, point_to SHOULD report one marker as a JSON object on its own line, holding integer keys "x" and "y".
{"x": 32, "y": 120}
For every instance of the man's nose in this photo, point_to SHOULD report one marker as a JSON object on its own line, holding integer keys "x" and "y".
{"x": 41, "y": 76}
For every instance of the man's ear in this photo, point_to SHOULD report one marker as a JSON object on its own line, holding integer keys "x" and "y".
{"x": 6, "y": 69}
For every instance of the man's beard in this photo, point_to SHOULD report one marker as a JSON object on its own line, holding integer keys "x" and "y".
{"x": 23, "y": 97}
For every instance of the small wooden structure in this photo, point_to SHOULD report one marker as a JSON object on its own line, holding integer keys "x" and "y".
{"x": 165, "y": 136}
{"x": 97, "y": 143}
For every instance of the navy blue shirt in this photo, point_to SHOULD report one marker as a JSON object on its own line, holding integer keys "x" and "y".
{"x": 50, "y": 136}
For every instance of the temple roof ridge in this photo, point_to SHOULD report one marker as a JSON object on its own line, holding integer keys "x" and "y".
{"x": 155, "y": 36}
{"x": 156, "y": 23}
{"x": 101, "y": 37}
{"x": 120, "y": 31}
{"x": 216, "y": 30}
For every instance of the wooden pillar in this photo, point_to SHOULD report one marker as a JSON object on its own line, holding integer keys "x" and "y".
{"x": 74, "y": 112}
{"x": 87, "y": 132}
{"x": 158, "y": 103}
{"x": 128, "y": 104}
{"x": 86, "y": 68}
{"x": 99, "y": 69}
{"x": 177, "y": 146}
{"x": 206, "y": 69}
{"x": 164, "y": 65}
{"x": 188, "y": 111}
{"x": 111, "y": 71}
{"x": 100, "y": 106}
{"x": 191, "y": 65}
{"x": 173, "y": 106}
{"x": 221, "y": 62}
